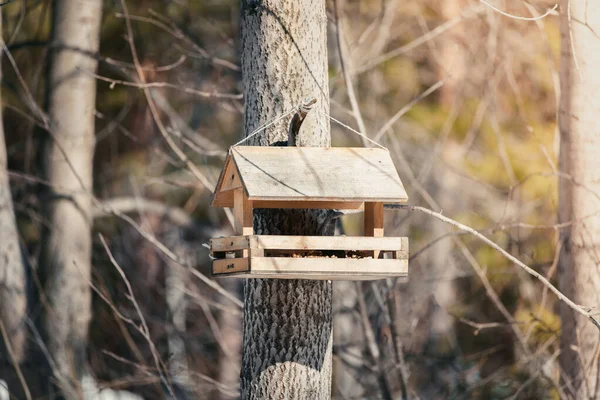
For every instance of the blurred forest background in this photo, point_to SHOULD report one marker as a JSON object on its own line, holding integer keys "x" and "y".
{"x": 464, "y": 98}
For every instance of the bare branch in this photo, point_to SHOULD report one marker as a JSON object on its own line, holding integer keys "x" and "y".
{"x": 406, "y": 109}
{"x": 575, "y": 307}
{"x": 146, "y": 85}
{"x": 346, "y": 72}
{"x": 550, "y": 11}
{"x": 144, "y": 327}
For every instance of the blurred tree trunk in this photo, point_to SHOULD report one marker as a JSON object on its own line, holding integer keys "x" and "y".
{"x": 176, "y": 280}
{"x": 68, "y": 165}
{"x": 287, "y": 323}
{"x": 13, "y": 279}
{"x": 579, "y": 267}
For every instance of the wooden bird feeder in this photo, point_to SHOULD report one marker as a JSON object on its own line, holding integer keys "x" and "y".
{"x": 309, "y": 177}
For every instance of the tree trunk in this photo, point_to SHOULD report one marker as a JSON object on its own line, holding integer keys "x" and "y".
{"x": 13, "y": 280}
{"x": 68, "y": 164}
{"x": 579, "y": 267}
{"x": 287, "y": 323}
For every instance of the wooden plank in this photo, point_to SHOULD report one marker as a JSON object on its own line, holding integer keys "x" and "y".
{"x": 243, "y": 217}
{"x": 318, "y": 173}
{"x": 223, "y": 199}
{"x": 242, "y": 213}
{"x": 230, "y": 265}
{"x": 373, "y": 221}
{"x": 330, "y": 205}
{"x": 357, "y": 243}
{"x": 231, "y": 243}
{"x": 321, "y": 277}
{"x": 312, "y": 268}
{"x": 231, "y": 179}
{"x": 328, "y": 268}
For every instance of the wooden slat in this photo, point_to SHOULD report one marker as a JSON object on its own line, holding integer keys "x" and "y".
{"x": 318, "y": 173}
{"x": 373, "y": 221}
{"x": 357, "y": 243}
{"x": 242, "y": 213}
{"x": 373, "y": 218}
{"x": 326, "y": 268}
{"x": 231, "y": 243}
{"x": 230, "y": 266}
{"x": 330, "y": 205}
{"x": 320, "y": 277}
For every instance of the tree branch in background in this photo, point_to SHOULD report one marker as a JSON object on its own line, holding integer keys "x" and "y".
{"x": 13, "y": 274}
{"x": 346, "y": 72}
{"x": 575, "y": 307}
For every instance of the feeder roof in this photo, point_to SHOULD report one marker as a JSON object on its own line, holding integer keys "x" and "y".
{"x": 310, "y": 174}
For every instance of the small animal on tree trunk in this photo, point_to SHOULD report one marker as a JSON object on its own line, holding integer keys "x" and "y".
{"x": 298, "y": 119}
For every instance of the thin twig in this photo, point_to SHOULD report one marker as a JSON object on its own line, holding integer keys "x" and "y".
{"x": 469, "y": 13}
{"x": 572, "y": 41}
{"x": 346, "y": 72}
{"x": 407, "y": 108}
{"x": 491, "y": 293}
{"x": 146, "y": 85}
{"x": 534, "y": 376}
{"x": 131, "y": 204}
{"x": 479, "y": 326}
{"x": 550, "y": 11}
{"x": 144, "y": 327}
{"x": 155, "y": 115}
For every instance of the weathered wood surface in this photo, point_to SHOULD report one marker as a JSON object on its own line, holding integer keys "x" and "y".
{"x": 342, "y": 268}
{"x": 310, "y": 174}
{"x": 242, "y": 213}
{"x": 275, "y": 242}
{"x": 373, "y": 221}
{"x": 229, "y": 179}
{"x": 318, "y": 268}
{"x": 231, "y": 243}
{"x": 327, "y": 205}
{"x": 230, "y": 265}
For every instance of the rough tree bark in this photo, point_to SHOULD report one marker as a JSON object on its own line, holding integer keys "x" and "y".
{"x": 287, "y": 323}
{"x": 13, "y": 280}
{"x": 579, "y": 194}
{"x": 68, "y": 165}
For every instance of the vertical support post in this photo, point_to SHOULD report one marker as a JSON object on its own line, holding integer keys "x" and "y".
{"x": 373, "y": 221}
{"x": 242, "y": 212}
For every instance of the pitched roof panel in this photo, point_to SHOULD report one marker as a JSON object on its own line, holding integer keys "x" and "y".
{"x": 316, "y": 174}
